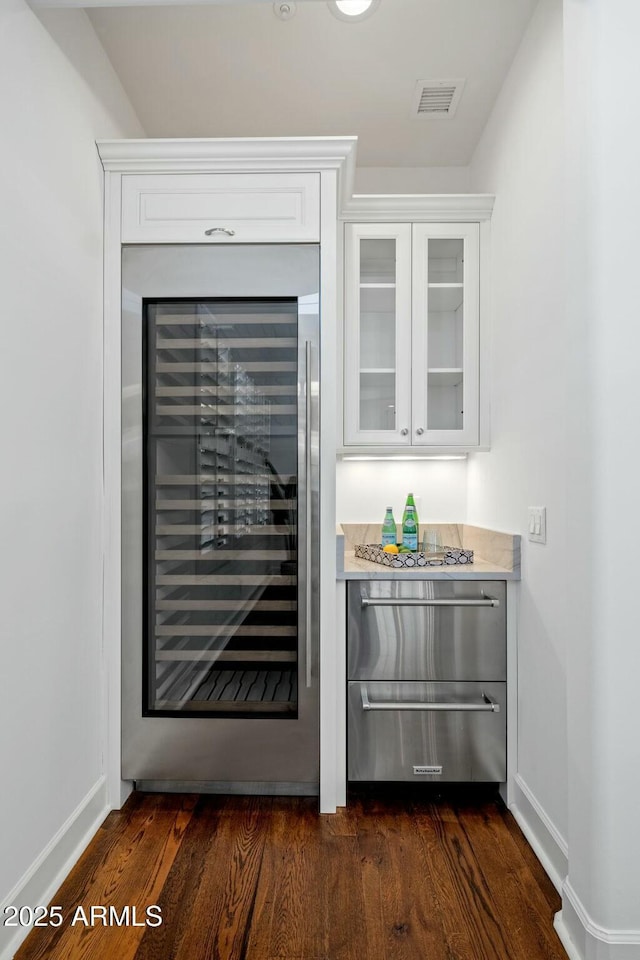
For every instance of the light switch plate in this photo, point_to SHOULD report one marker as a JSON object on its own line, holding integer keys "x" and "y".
{"x": 538, "y": 524}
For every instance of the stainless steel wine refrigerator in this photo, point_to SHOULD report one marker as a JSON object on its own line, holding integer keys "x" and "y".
{"x": 220, "y": 517}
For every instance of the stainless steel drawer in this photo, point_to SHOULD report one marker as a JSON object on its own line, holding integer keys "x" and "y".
{"x": 427, "y": 630}
{"x": 421, "y": 732}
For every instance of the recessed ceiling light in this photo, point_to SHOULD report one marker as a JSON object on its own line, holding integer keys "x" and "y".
{"x": 352, "y": 10}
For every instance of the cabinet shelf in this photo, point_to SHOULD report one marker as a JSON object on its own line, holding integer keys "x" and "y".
{"x": 189, "y": 479}
{"x": 250, "y": 692}
{"x": 445, "y": 376}
{"x": 236, "y": 656}
{"x": 377, "y": 370}
{"x": 445, "y": 297}
{"x": 171, "y": 529}
{"x": 378, "y": 286}
{"x": 216, "y": 503}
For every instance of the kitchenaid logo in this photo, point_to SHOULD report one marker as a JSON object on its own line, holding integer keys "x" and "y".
{"x": 425, "y": 769}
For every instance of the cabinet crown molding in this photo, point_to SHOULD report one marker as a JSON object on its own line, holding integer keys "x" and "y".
{"x": 417, "y": 207}
{"x": 238, "y": 154}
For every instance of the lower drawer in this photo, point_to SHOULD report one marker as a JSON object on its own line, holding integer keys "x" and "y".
{"x": 438, "y": 732}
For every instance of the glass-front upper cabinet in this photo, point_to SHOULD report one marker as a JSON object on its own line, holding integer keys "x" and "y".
{"x": 378, "y": 334}
{"x": 412, "y": 351}
{"x": 445, "y": 334}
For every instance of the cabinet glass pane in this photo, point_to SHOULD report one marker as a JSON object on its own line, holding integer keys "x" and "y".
{"x": 445, "y": 335}
{"x": 377, "y": 401}
{"x": 377, "y": 328}
{"x": 221, "y": 463}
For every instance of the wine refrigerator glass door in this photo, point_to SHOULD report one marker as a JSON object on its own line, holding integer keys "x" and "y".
{"x": 220, "y": 507}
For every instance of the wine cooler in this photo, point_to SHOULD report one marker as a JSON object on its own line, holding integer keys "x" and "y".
{"x": 220, "y": 543}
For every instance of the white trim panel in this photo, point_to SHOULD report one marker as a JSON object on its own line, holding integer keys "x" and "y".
{"x": 331, "y": 670}
{"x": 340, "y": 674}
{"x": 49, "y": 870}
{"x": 436, "y": 207}
{"x": 118, "y": 789}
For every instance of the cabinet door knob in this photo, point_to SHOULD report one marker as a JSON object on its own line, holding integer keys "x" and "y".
{"x": 420, "y": 431}
{"x": 404, "y": 432}
{"x": 229, "y": 233}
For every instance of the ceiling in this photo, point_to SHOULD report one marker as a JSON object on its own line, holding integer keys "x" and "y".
{"x": 235, "y": 69}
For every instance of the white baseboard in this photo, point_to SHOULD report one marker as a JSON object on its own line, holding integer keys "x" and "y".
{"x": 583, "y": 939}
{"x": 45, "y": 875}
{"x": 544, "y": 838}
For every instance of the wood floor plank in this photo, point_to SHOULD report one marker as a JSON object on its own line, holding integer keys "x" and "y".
{"x": 209, "y": 893}
{"x": 342, "y": 823}
{"x": 402, "y": 915}
{"x": 131, "y": 873}
{"x": 290, "y": 915}
{"x": 473, "y": 927}
{"x": 520, "y": 903}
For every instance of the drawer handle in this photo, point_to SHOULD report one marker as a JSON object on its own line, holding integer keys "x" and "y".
{"x": 486, "y": 704}
{"x": 212, "y": 230}
{"x": 408, "y": 602}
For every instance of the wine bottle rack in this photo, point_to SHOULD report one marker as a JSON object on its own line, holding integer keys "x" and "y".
{"x": 221, "y": 484}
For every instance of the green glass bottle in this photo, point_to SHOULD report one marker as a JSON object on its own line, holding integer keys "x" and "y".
{"x": 410, "y": 530}
{"x": 410, "y": 503}
{"x": 389, "y": 533}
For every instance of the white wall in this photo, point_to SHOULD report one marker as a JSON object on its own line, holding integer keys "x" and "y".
{"x": 520, "y": 158}
{"x": 601, "y": 907}
{"x": 412, "y": 180}
{"x": 365, "y": 488}
{"x": 51, "y": 702}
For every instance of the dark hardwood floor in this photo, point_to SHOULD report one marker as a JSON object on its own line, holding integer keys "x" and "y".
{"x": 397, "y": 875}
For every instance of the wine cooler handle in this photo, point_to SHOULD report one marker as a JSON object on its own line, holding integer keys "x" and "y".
{"x": 307, "y": 502}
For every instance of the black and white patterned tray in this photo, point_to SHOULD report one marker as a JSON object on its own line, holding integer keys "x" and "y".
{"x": 448, "y": 555}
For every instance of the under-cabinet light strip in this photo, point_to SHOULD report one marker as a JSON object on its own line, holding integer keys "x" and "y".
{"x": 448, "y": 456}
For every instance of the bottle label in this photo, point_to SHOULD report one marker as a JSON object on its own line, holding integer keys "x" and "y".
{"x": 388, "y": 538}
{"x": 410, "y": 540}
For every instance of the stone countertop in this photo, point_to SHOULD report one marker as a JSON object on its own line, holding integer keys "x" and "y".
{"x": 496, "y": 555}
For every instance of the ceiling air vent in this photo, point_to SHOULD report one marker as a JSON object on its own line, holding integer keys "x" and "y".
{"x": 436, "y": 99}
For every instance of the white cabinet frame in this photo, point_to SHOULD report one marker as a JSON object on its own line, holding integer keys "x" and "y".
{"x": 333, "y": 158}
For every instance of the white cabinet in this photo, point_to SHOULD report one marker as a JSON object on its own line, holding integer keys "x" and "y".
{"x": 412, "y": 336}
{"x": 221, "y": 207}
